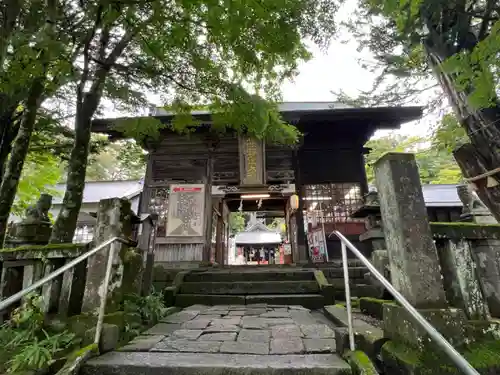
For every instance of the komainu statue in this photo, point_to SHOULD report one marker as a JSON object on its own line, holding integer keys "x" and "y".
{"x": 39, "y": 213}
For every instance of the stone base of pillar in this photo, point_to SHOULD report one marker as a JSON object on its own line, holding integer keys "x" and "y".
{"x": 410, "y": 349}
{"x": 400, "y": 326}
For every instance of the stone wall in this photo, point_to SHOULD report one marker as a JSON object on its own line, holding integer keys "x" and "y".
{"x": 470, "y": 260}
{"x": 79, "y": 288}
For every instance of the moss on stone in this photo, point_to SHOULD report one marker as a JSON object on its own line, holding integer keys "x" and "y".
{"x": 360, "y": 363}
{"x": 466, "y": 230}
{"x": 354, "y": 303}
{"x": 483, "y": 356}
{"x": 93, "y": 348}
{"x": 49, "y": 247}
{"x": 373, "y": 306}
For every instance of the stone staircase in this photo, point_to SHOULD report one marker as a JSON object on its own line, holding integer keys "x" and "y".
{"x": 230, "y": 340}
{"x": 359, "y": 285}
{"x": 246, "y": 286}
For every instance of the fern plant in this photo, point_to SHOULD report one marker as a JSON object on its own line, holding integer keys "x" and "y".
{"x": 151, "y": 308}
{"x": 26, "y": 342}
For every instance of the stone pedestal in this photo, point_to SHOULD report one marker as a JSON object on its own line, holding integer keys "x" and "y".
{"x": 460, "y": 278}
{"x": 400, "y": 326}
{"x": 487, "y": 256}
{"x": 413, "y": 257}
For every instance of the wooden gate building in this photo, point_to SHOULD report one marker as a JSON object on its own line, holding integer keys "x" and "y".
{"x": 193, "y": 182}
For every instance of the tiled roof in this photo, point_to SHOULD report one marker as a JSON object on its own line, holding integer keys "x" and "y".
{"x": 283, "y": 107}
{"x": 95, "y": 191}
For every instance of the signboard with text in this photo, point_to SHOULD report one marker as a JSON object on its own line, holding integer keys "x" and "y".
{"x": 186, "y": 210}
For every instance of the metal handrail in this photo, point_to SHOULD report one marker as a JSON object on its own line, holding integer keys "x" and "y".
{"x": 102, "y": 307}
{"x": 455, "y": 356}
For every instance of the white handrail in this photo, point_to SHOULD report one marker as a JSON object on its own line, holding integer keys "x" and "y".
{"x": 102, "y": 308}
{"x": 455, "y": 356}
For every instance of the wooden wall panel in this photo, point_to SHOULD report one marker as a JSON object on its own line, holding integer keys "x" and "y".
{"x": 179, "y": 253}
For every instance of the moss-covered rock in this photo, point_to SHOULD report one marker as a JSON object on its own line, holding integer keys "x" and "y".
{"x": 373, "y": 306}
{"x": 77, "y": 358}
{"x": 110, "y": 336}
{"x": 360, "y": 363}
{"x": 43, "y": 251}
{"x": 400, "y": 359}
{"x": 326, "y": 289}
{"x": 471, "y": 231}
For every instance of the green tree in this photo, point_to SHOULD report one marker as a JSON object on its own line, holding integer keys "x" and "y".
{"x": 236, "y": 222}
{"x": 203, "y": 52}
{"x": 37, "y": 50}
{"x": 450, "y": 43}
{"x": 121, "y": 160}
{"x": 436, "y": 165}
{"x": 40, "y": 173}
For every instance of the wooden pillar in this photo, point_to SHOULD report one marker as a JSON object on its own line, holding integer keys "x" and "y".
{"x": 302, "y": 245}
{"x": 207, "y": 246}
{"x": 219, "y": 235}
{"x": 364, "y": 180}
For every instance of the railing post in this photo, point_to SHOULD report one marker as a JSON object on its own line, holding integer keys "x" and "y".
{"x": 348, "y": 297}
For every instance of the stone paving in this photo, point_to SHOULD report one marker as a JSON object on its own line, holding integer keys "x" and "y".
{"x": 251, "y": 329}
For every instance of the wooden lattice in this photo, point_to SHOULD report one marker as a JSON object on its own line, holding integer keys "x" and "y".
{"x": 337, "y": 201}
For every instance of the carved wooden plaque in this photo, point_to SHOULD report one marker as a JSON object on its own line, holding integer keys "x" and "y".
{"x": 252, "y": 160}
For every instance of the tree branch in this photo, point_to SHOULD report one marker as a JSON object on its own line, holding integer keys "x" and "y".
{"x": 86, "y": 55}
{"x": 486, "y": 22}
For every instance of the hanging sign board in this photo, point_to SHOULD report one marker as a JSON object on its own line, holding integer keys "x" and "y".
{"x": 317, "y": 245}
{"x": 186, "y": 210}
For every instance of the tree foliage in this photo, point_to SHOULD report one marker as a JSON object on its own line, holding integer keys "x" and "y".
{"x": 121, "y": 160}
{"x": 454, "y": 44}
{"x": 236, "y": 222}
{"x": 436, "y": 165}
{"x": 231, "y": 56}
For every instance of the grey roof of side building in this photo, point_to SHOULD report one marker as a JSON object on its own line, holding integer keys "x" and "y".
{"x": 95, "y": 191}
{"x": 439, "y": 195}
{"x": 434, "y": 195}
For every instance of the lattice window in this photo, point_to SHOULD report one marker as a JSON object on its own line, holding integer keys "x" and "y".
{"x": 83, "y": 234}
{"x": 158, "y": 204}
{"x": 333, "y": 203}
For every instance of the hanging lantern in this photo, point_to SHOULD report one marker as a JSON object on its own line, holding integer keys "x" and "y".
{"x": 294, "y": 202}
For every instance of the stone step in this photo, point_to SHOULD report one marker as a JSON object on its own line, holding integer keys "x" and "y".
{"x": 154, "y": 363}
{"x": 338, "y": 273}
{"x": 250, "y": 275}
{"x": 250, "y": 287}
{"x": 311, "y": 301}
{"x": 358, "y": 290}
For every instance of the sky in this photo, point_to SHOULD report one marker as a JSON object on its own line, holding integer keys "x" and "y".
{"x": 337, "y": 69}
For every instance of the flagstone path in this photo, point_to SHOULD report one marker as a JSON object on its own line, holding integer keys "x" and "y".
{"x": 260, "y": 335}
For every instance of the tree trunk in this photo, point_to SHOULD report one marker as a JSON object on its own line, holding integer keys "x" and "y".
{"x": 472, "y": 164}
{"x": 482, "y": 154}
{"x": 87, "y": 103}
{"x": 8, "y": 132}
{"x": 65, "y": 225}
{"x": 14, "y": 166}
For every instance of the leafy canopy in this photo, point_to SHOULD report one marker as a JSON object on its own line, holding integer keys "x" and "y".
{"x": 436, "y": 165}
{"x": 230, "y": 56}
